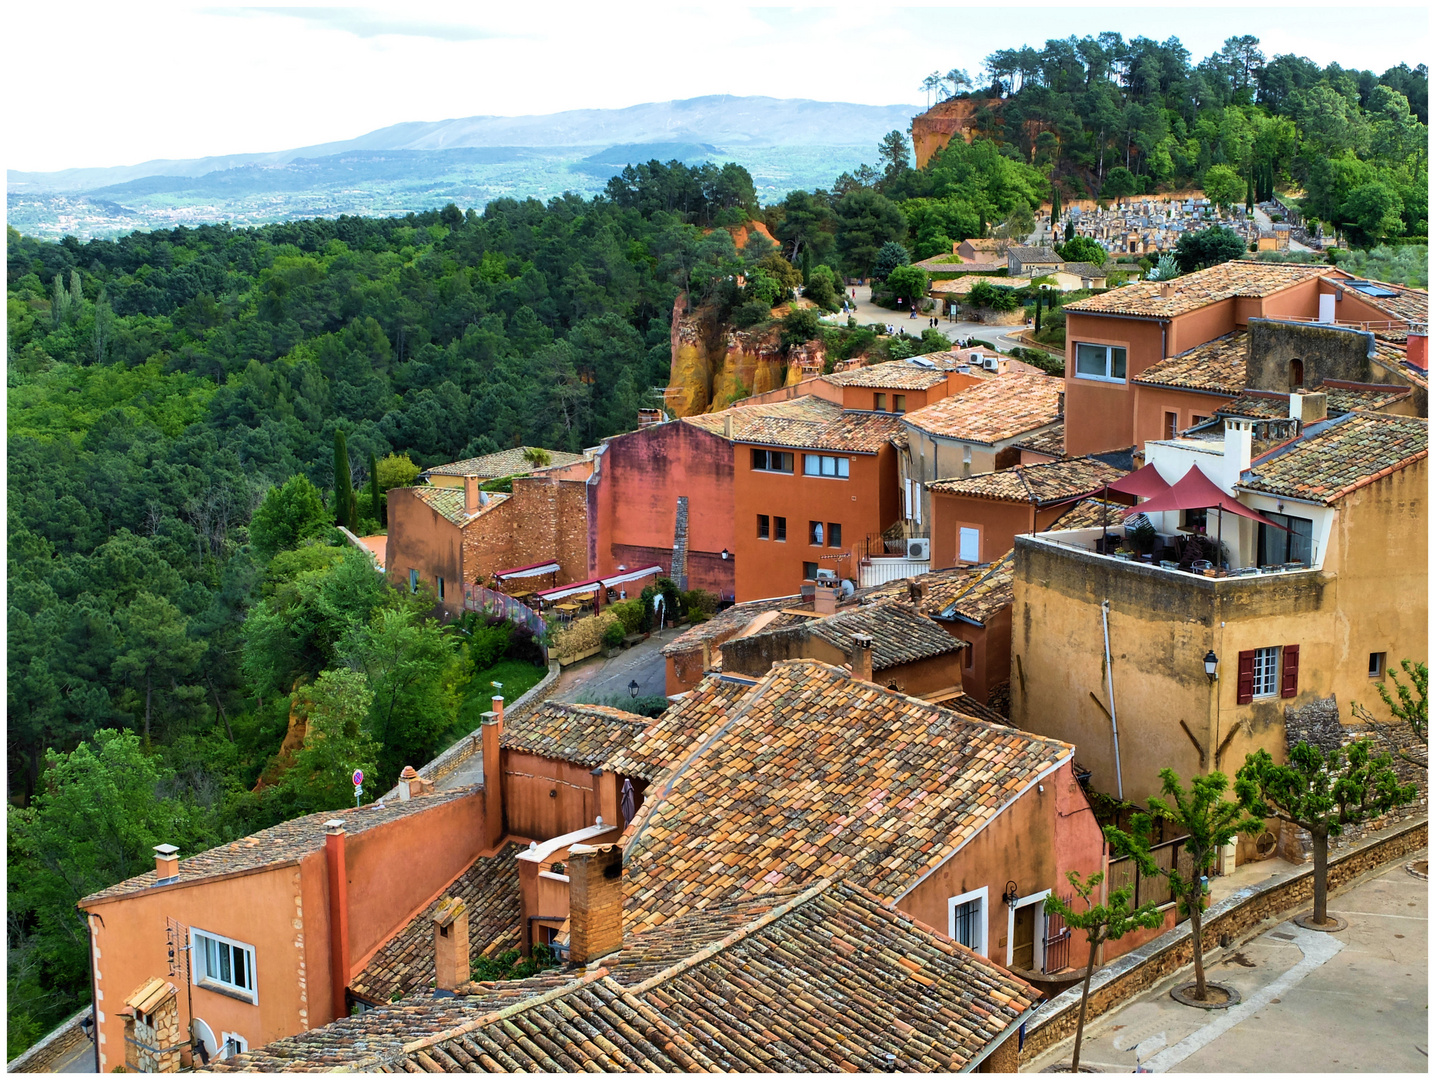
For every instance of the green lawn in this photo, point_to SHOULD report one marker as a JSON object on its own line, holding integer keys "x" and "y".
{"x": 517, "y": 679}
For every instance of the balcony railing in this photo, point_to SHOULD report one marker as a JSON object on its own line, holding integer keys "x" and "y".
{"x": 1091, "y": 542}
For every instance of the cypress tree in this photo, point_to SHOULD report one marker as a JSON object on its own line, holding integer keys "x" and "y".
{"x": 1250, "y": 192}
{"x": 374, "y": 490}
{"x": 343, "y": 487}
{"x": 1055, "y": 207}
{"x": 807, "y": 267}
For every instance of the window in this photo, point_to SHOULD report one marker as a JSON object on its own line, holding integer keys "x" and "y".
{"x": 834, "y": 534}
{"x": 764, "y": 527}
{"x": 814, "y": 533}
{"x": 413, "y": 581}
{"x": 1195, "y": 520}
{"x": 223, "y": 964}
{"x": 1297, "y": 374}
{"x": 440, "y": 588}
{"x": 1261, "y": 672}
{"x": 1106, "y": 362}
{"x": 1276, "y": 546}
{"x": 233, "y": 1043}
{"x": 823, "y": 465}
{"x": 1168, "y": 425}
{"x": 779, "y": 528}
{"x": 771, "y": 461}
{"x": 899, "y": 403}
{"x": 968, "y": 545}
{"x": 1264, "y": 678}
{"x": 967, "y": 920}
{"x": 1377, "y": 665}
{"x": 1197, "y": 419}
{"x": 809, "y": 571}
{"x": 879, "y": 402}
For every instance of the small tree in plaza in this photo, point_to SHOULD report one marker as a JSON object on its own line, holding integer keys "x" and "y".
{"x": 1210, "y": 822}
{"x": 1323, "y": 792}
{"x": 1109, "y": 921}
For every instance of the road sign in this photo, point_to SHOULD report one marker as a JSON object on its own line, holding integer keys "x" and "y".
{"x": 358, "y": 777}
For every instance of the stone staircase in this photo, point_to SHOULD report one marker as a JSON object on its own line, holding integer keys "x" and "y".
{"x": 680, "y": 544}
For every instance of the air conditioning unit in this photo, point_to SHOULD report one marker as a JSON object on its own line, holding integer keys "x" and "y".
{"x": 919, "y": 548}
{"x": 990, "y": 363}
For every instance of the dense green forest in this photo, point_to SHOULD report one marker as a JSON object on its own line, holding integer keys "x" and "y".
{"x": 191, "y": 411}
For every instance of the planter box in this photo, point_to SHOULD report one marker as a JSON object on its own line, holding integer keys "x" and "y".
{"x": 564, "y": 661}
{"x": 612, "y": 651}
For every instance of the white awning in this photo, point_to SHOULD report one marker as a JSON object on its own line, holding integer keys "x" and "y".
{"x": 592, "y": 584}
{"x": 527, "y": 571}
{"x": 632, "y": 575}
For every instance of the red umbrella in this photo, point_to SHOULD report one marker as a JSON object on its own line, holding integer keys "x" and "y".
{"x": 1145, "y": 483}
{"x": 1195, "y": 492}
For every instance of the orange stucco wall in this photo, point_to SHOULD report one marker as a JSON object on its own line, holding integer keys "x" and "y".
{"x": 987, "y": 658}
{"x": 1099, "y": 414}
{"x": 422, "y": 539}
{"x": 1041, "y": 836}
{"x": 528, "y": 807}
{"x": 1152, "y": 403}
{"x": 864, "y": 503}
{"x": 634, "y": 499}
{"x": 998, "y": 523}
{"x": 865, "y": 397}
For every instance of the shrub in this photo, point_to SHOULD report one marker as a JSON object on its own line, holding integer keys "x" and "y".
{"x": 631, "y": 614}
{"x": 614, "y": 634}
{"x": 583, "y": 635}
{"x": 523, "y": 645}
{"x": 699, "y": 604}
{"x": 487, "y": 636}
{"x": 750, "y": 314}
{"x": 799, "y": 327}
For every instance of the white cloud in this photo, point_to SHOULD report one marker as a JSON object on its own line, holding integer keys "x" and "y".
{"x": 106, "y": 84}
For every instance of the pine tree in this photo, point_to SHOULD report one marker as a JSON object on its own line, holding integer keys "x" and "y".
{"x": 343, "y": 485}
{"x": 374, "y": 491}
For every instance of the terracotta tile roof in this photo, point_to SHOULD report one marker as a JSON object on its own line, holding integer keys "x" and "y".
{"x": 939, "y": 588}
{"x": 900, "y": 634}
{"x": 449, "y": 502}
{"x": 945, "y": 264}
{"x": 1330, "y": 460}
{"x": 556, "y": 1022}
{"x": 1001, "y": 408}
{"x": 1390, "y": 355}
{"x": 683, "y": 725}
{"x": 1218, "y": 365}
{"x": 987, "y": 596}
{"x": 285, "y": 842}
{"x": 1033, "y": 254}
{"x": 894, "y": 374}
{"x": 1089, "y": 514}
{"x": 513, "y": 462}
{"x": 726, "y": 623}
{"x": 1083, "y": 269}
{"x": 1051, "y": 441}
{"x": 580, "y": 734}
{"x": 1339, "y": 401}
{"x": 405, "y": 963}
{"x": 812, "y": 773}
{"x": 807, "y": 423}
{"x": 1196, "y": 290}
{"x": 1411, "y": 305}
{"x": 1047, "y": 482}
{"x": 960, "y": 286}
{"x": 825, "y": 983}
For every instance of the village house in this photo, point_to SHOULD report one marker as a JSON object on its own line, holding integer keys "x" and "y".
{"x": 520, "y": 461}
{"x": 1115, "y": 338}
{"x": 1315, "y": 583}
{"x": 973, "y": 432}
{"x": 1031, "y": 262}
{"x": 976, "y": 519}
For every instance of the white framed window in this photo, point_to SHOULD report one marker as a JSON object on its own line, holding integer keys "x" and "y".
{"x": 1377, "y": 665}
{"x": 1106, "y": 363}
{"x": 221, "y": 963}
{"x": 824, "y": 465}
{"x": 232, "y": 1043}
{"x": 967, "y": 919}
{"x": 1265, "y": 680}
{"x": 969, "y": 545}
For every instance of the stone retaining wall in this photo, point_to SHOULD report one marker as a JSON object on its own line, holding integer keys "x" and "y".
{"x": 472, "y": 743}
{"x": 54, "y": 1048}
{"x": 1142, "y": 968}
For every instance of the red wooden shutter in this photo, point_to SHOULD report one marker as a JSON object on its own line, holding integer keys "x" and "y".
{"x": 1245, "y": 677}
{"x": 1290, "y": 669}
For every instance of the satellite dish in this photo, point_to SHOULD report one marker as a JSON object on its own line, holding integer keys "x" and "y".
{"x": 848, "y": 588}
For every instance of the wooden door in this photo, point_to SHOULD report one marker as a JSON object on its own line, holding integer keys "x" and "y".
{"x": 1023, "y": 942}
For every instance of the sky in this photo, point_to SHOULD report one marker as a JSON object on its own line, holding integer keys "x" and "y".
{"x": 94, "y": 84}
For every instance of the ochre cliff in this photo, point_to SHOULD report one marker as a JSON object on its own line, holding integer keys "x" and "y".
{"x": 934, "y": 128}
{"x": 714, "y": 365}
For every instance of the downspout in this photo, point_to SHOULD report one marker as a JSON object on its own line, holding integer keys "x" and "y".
{"x": 1111, "y": 693}
{"x": 94, "y": 986}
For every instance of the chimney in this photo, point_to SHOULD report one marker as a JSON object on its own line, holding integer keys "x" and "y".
{"x": 1307, "y": 408}
{"x": 1416, "y": 354}
{"x": 470, "y": 495}
{"x": 707, "y": 656}
{"x": 166, "y": 863}
{"x": 595, "y": 901}
{"x": 727, "y": 425}
{"x": 1237, "y": 449}
{"x": 860, "y": 656}
{"x": 450, "y": 944}
{"x": 1061, "y": 403}
{"x": 338, "y": 875}
{"x": 1167, "y": 290}
{"x": 824, "y": 597}
{"x": 498, "y": 706}
{"x": 492, "y": 780}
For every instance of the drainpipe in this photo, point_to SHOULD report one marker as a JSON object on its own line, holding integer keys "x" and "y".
{"x": 94, "y": 986}
{"x": 338, "y": 914}
{"x": 1111, "y": 693}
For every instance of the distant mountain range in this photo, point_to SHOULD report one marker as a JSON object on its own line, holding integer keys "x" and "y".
{"x": 784, "y": 143}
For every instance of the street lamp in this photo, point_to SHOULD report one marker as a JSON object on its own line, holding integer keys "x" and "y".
{"x": 1211, "y": 661}
{"x": 633, "y": 688}
{"x": 1010, "y": 896}
{"x": 726, "y": 555}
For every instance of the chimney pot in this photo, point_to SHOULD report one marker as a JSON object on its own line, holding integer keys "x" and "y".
{"x": 470, "y": 495}
{"x": 450, "y": 944}
{"x": 861, "y": 657}
{"x": 1417, "y": 353}
{"x": 1167, "y": 290}
{"x": 498, "y": 706}
{"x": 595, "y": 901}
{"x": 166, "y": 862}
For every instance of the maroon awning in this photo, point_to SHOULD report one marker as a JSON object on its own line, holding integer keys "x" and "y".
{"x": 1195, "y": 492}
{"x": 1144, "y": 483}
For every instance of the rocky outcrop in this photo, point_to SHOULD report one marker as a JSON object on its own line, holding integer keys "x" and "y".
{"x": 933, "y": 129}
{"x": 714, "y": 365}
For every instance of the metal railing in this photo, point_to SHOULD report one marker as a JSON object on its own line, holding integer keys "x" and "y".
{"x": 1056, "y": 944}
{"x": 479, "y": 598}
